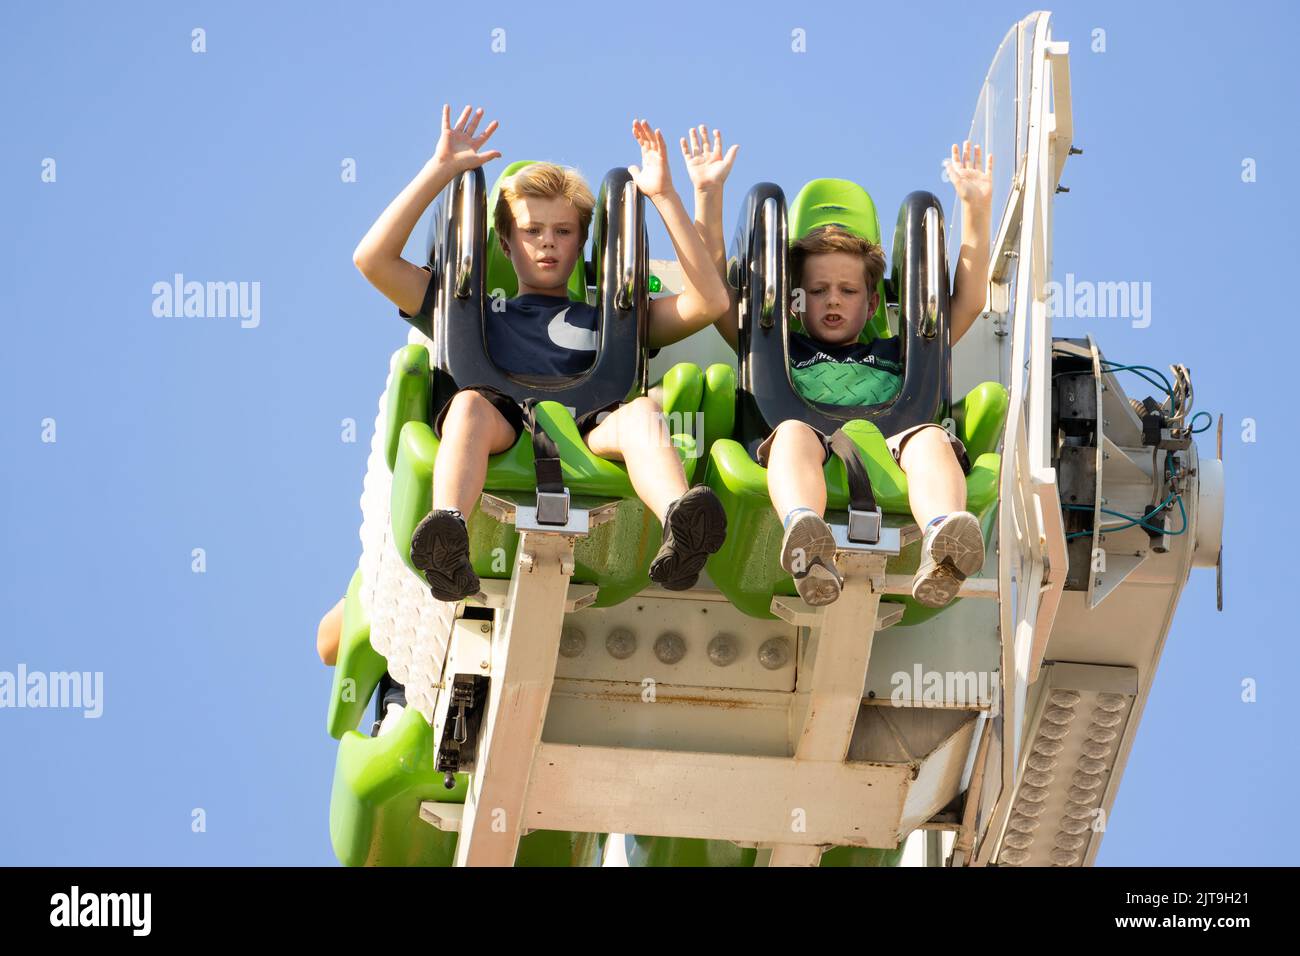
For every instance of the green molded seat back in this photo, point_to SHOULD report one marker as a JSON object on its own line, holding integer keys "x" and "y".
{"x": 500, "y": 270}
{"x": 824, "y": 201}
{"x": 379, "y": 784}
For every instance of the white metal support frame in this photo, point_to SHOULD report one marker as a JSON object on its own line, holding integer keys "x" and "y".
{"x": 828, "y": 696}
{"x": 1031, "y": 540}
{"x": 525, "y": 646}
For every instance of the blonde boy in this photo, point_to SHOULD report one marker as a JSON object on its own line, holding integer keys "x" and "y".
{"x": 542, "y": 221}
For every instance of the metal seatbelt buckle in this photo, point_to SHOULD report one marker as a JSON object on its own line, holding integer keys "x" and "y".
{"x": 864, "y": 526}
{"x": 553, "y": 507}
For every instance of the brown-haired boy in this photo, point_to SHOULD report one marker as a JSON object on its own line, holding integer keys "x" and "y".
{"x": 542, "y": 220}
{"x": 838, "y": 273}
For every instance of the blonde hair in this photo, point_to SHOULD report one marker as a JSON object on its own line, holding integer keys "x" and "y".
{"x": 835, "y": 238}
{"x": 544, "y": 181}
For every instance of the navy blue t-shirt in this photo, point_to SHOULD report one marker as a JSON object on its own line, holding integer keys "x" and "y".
{"x": 542, "y": 335}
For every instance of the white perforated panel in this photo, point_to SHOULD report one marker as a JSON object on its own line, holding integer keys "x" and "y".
{"x": 407, "y": 625}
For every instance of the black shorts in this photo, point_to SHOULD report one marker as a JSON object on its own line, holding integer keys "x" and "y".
{"x": 512, "y": 412}
{"x": 502, "y": 402}
{"x": 894, "y": 442}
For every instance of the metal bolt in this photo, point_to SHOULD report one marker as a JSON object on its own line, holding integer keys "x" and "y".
{"x": 485, "y": 628}
{"x": 670, "y": 648}
{"x": 572, "y": 641}
{"x": 621, "y": 643}
{"x": 723, "y": 650}
{"x": 774, "y": 653}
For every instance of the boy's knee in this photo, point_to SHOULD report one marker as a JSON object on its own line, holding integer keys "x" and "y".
{"x": 643, "y": 406}
{"x": 469, "y": 406}
{"x": 930, "y": 443}
{"x": 792, "y": 429}
{"x": 645, "y": 415}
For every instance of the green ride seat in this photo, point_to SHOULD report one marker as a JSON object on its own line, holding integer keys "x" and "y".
{"x": 615, "y": 555}
{"x": 747, "y": 569}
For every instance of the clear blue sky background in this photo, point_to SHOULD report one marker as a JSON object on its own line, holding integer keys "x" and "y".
{"x": 182, "y": 433}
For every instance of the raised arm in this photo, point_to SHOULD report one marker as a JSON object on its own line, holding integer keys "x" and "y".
{"x": 379, "y": 254}
{"x": 974, "y": 187}
{"x": 708, "y": 167}
{"x": 704, "y": 296}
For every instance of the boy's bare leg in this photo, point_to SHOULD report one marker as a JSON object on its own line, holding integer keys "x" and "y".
{"x": 636, "y": 435}
{"x": 794, "y": 469}
{"x": 935, "y": 483}
{"x": 951, "y": 549}
{"x": 471, "y": 432}
{"x": 796, "y": 483}
{"x": 694, "y": 522}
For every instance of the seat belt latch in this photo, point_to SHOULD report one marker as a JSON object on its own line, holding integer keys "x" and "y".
{"x": 864, "y": 526}
{"x": 553, "y": 507}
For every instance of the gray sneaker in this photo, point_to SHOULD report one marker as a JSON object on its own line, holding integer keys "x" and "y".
{"x": 808, "y": 554}
{"x": 951, "y": 551}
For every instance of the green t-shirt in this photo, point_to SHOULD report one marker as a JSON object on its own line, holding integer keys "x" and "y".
{"x": 853, "y": 374}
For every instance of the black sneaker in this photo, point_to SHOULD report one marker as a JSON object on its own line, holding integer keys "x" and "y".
{"x": 440, "y": 549}
{"x": 694, "y": 527}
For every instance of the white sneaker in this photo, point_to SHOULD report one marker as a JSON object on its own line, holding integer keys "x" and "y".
{"x": 951, "y": 551}
{"x": 808, "y": 554}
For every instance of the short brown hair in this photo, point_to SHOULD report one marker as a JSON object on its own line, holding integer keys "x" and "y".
{"x": 544, "y": 181}
{"x": 835, "y": 238}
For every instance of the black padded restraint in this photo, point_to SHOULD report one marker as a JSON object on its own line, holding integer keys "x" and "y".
{"x": 861, "y": 497}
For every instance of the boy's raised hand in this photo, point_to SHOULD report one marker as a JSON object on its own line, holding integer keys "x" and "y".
{"x": 974, "y": 184}
{"x": 458, "y": 146}
{"x": 652, "y": 177}
{"x": 707, "y": 165}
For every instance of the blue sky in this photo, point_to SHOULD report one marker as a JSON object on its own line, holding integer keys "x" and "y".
{"x": 183, "y": 433}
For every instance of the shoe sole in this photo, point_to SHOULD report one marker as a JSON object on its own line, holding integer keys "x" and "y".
{"x": 960, "y": 541}
{"x": 938, "y": 587}
{"x": 440, "y": 549}
{"x": 819, "y": 583}
{"x": 956, "y": 552}
{"x": 696, "y": 529}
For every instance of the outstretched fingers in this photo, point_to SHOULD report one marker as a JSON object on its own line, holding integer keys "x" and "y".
{"x": 473, "y": 123}
{"x": 486, "y": 134}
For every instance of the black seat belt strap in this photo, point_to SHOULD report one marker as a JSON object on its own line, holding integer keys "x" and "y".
{"x": 864, "y": 513}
